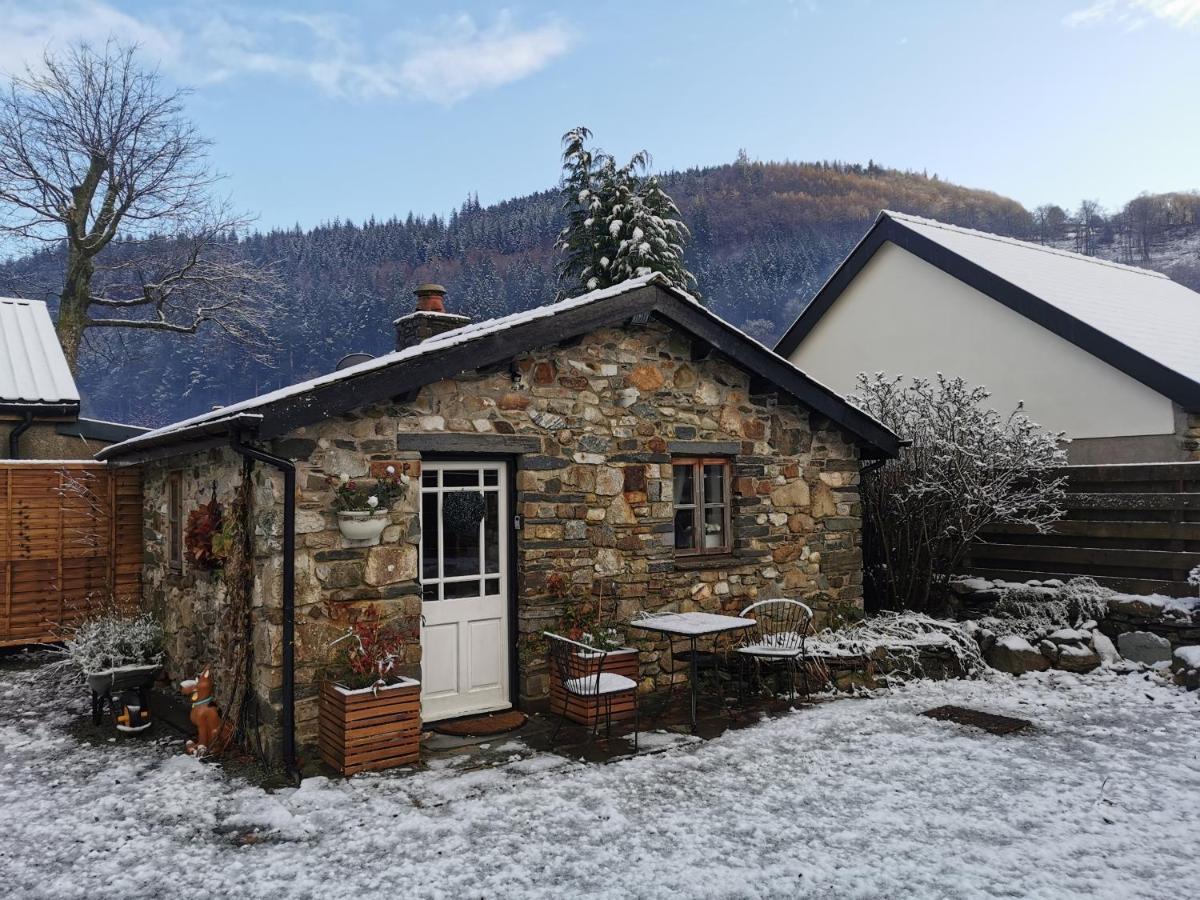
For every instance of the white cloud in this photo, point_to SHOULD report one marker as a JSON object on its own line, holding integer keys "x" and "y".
{"x": 1133, "y": 14}
{"x": 29, "y": 30}
{"x": 333, "y": 52}
{"x": 469, "y": 59}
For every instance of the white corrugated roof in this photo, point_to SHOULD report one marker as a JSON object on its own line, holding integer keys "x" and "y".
{"x": 1146, "y": 311}
{"x": 32, "y": 366}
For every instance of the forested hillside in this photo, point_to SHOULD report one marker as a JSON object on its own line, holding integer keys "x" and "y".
{"x": 765, "y": 236}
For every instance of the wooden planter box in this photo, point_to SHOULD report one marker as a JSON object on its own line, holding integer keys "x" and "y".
{"x": 370, "y": 729}
{"x": 585, "y": 710}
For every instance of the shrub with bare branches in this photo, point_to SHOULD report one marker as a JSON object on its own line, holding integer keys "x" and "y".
{"x": 966, "y": 468}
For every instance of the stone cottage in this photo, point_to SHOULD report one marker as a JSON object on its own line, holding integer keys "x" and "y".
{"x": 628, "y": 440}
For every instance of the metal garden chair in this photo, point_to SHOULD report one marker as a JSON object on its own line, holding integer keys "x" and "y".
{"x": 580, "y": 670}
{"x": 777, "y": 640}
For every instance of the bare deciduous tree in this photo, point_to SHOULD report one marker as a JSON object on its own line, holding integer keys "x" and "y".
{"x": 95, "y": 153}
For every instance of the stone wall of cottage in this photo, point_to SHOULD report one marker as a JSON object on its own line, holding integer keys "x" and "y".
{"x": 606, "y": 412}
{"x": 191, "y": 602}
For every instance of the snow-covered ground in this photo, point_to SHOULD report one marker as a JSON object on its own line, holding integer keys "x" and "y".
{"x": 853, "y": 798}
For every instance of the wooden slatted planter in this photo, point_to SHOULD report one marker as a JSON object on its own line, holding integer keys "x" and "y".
{"x": 366, "y": 729}
{"x": 585, "y": 710}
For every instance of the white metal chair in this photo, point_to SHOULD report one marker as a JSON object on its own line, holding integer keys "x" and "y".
{"x": 777, "y": 639}
{"x": 580, "y": 670}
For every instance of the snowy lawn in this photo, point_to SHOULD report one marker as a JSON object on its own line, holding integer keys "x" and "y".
{"x": 854, "y": 798}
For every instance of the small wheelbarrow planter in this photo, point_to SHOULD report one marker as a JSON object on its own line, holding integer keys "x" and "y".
{"x": 126, "y": 691}
{"x": 587, "y": 709}
{"x": 370, "y": 728}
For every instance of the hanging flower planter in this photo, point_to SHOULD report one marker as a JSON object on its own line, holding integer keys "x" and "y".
{"x": 362, "y": 509}
{"x": 363, "y": 525}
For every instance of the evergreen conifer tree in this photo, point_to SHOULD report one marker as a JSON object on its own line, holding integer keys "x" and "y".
{"x": 620, "y": 221}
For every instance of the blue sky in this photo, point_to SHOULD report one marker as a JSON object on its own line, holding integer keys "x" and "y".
{"x": 320, "y": 110}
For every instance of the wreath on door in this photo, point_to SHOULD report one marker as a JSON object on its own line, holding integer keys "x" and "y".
{"x": 463, "y": 510}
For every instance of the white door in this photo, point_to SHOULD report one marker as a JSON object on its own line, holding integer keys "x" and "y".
{"x": 464, "y": 578}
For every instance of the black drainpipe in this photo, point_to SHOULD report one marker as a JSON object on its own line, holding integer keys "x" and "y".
{"x": 14, "y": 436}
{"x": 288, "y": 468}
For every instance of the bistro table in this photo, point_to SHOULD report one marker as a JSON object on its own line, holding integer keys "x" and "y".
{"x": 692, "y": 626}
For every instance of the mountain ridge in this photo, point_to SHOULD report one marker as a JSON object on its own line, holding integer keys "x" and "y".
{"x": 765, "y": 237}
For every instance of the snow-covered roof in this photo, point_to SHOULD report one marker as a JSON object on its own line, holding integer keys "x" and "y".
{"x": 1144, "y": 310}
{"x": 1136, "y": 320}
{"x": 33, "y": 369}
{"x": 247, "y": 411}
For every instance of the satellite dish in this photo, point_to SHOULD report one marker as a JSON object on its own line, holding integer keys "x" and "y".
{"x": 351, "y": 359}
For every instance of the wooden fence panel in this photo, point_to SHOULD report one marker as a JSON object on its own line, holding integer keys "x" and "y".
{"x": 70, "y": 541}
{"x": 1133, "y": 527}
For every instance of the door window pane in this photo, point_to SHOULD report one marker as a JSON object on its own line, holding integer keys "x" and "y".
{"x": 456, "y": 589}
{"x": 460, "y": 555}
{"x": 491, "y": 531}
{"x": 429, "y": 535}
{"x": 429, "y": 478}
{"x": 491, "y": 477}
{"x": 460, "y": 478}
{"x": 491, "y": 586}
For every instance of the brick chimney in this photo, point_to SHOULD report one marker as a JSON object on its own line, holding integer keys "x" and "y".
{"x": 429, "y": 319}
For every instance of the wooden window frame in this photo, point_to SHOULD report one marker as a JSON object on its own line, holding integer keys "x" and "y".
{"x": 175, "y": 521}
{"x": 699, "y": 503}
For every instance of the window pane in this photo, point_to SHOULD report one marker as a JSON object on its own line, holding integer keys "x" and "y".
{"x": 429, "y": 592}
{"x": 491, "y": 531}
{"x": 429, "y": 535}
{"x": 714, "y": 483}
{"x": 685, "y": 529}
{"x": 456, "y": 589}
{"x": 460, "y": 550}
{"x": 684, "y": 488}
{"x": 714, "y": 527}
{"x": 460, "y": 478}
{"x": 491, "y": 477}
{"x": 491, "y": 586}
{"x": 429, "y": 478}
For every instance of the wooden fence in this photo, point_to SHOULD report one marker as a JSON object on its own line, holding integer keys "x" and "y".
{"x": 70, "y": 541}
{"x": 1134, "y": 528}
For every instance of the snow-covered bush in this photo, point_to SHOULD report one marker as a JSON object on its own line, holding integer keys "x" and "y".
{"x": 112, "y": 640}
{"x": 1033, "y": 611}
{"x": 1194, "y": 577}
{"x": 966, "y": 468}
{"x": 620, "y": 222}
{"x": 901, "y": 637}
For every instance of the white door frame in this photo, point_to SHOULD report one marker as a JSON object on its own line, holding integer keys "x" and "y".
{"x": 466, "y": 642}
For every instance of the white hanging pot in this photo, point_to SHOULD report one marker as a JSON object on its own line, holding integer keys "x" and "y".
{"x": 363, "y": 525}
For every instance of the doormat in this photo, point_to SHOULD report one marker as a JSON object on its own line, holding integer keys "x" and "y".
{"x": 482, "y": 726}
{"x": 978, "y": 719}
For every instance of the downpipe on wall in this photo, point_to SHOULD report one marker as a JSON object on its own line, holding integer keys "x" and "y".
{"x": 14, "y": 436}
{"x": 288, "y": 468}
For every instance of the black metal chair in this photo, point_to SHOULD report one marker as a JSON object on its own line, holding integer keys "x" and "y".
{"x": 580, "y": 671}
{"x": 776, "y": 641}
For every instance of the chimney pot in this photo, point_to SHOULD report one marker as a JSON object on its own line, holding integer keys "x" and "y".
{"x": 429, "y": 319}
{"x": 431, "y": 298}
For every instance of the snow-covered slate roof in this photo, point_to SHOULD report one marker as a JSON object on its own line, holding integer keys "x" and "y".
{"x": 248, "y": 412}
{"x": 33, "y": 369}
{"x": 1148, "y": 325}
{"x": 1144, "y": 310}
